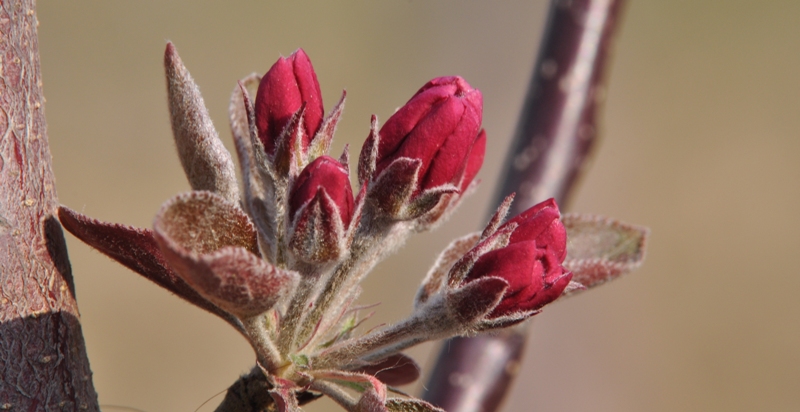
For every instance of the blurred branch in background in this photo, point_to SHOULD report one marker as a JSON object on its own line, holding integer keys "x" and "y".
{"x": 42, "y": 352}
{"x": 555, "y": 134}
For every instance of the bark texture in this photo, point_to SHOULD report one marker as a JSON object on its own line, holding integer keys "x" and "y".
{"x": 555, "y": 133}
{"x": 250, "y": 393}
{"x": 43, "y": 363}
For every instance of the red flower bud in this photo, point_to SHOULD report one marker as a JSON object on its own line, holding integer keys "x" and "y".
{"x": 324, "y": 174}
{"x": 438, "y": 126}
{"x": 288, "y": 84}
{"x": 530, "y": 263}
{"x": 542, "y": 223}
{"x": 474, "y": 161}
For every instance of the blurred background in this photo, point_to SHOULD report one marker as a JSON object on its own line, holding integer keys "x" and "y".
{"x": 700, "y": 143}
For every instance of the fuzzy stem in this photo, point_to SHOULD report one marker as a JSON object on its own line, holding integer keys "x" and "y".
{"x": 268, "y": 355}
{"x": 436, "y": 320}
{"x": 369, "y": 245}
{"x": 555, "y": 134}
{"x": 334, "y": 392}
{"x": 280, "y": 195}
{"x": 310, "y": 277}
{"x": 346, "y": 352}
{"x": 291, "y": 321}
{"x": 353, "y": 265}
{"x": 401, "y": 345}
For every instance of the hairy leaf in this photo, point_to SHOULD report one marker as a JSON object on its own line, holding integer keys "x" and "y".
{"x": 212, "y": 245}
{"x": 203, "y": 222}
{"x": 137, "y": 250}
{"x": 600, "y": 249}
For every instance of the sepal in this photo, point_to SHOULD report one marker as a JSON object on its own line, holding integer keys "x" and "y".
{"x": 437, "y": 275}
{"x": 497, "y": 240}
{"x": 505, "y": 321}
{"x": 498, "y": 217}
{"x": 289, "y": 157}
{"x": 392, "y": 189}
{"x": 427, "y": 203}
{"x": 318, "y": 234}
{"x": 238, "y": 115}
{"x": 344, "y": 158}
{"x": 358, "y": 213}
{"x": 367, "y": 159}
{"x": 573, "y": 287}
{"x": 395, "y": 195}
{"x": 321, "y": 143}
{"x": 259, "y": 179}
{"x": 473, "y": 301}
{"x": 439, "y": 213}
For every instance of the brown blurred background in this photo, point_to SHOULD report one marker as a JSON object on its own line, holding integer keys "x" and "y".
{"x": 700, "y": 143}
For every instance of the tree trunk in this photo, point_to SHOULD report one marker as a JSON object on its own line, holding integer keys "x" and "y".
{"x": 43, "y": 362}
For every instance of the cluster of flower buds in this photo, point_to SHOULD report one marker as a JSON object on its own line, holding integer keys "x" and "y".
{"x": 282, "y": 262}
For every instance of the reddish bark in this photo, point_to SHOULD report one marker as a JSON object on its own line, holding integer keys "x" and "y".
{"x": 556, "y": 131}
{"x": 43, "y": 363}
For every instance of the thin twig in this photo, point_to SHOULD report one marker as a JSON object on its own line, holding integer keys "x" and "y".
{"x": 555, "y": 134}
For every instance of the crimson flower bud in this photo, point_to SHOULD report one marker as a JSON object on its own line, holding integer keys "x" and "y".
{"x": 542, "y": 223}
{"x": 288, "y": 84}
{"x": 321, "y": 207}
{"x": 324, "y": 174}
{"x": 474, "y": 161}
{"x": 530, "y": 263}
{"x": 439, "y": 127}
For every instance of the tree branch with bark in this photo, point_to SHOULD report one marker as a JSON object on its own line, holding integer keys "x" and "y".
{"x": 555, "y": 133}
{"x": 42, "y": 352}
